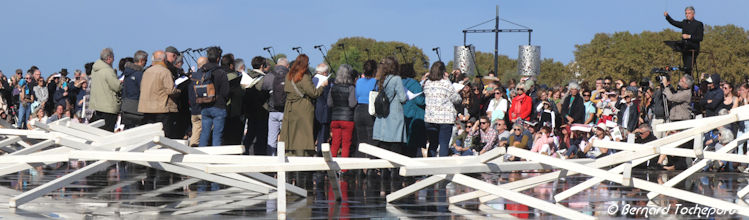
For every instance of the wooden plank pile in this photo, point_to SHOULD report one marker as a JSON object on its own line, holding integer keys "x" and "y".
{"x": 65, "y": 140}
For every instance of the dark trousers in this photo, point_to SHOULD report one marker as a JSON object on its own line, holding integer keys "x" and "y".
{"x": 322, "y": 134}
{"x": 364, "y": 127}
{"x": 686, "y": 58}
{"x": 131, "y": 120}
{"x": 233, "y": 130}
{"x": 416, "y": 137}
{"x": 255, "y": 141}
{"x": 438, "y": 135}
{"x": 166, "y": 119}
{"x": 109, "y": 119}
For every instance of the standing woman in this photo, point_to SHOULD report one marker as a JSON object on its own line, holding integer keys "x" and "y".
{"x": 296, "y": 129}
{"x": 341, "y": 101}
{"x": 413, "y": 111}
{"x": 390, "y": 130}
{"x": 363, "y": 121}
{"x": 440, "y": 111}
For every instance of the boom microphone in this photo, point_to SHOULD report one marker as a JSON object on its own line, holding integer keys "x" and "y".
{"x": 318, "y": 46}
{"x": 266, "y": 48}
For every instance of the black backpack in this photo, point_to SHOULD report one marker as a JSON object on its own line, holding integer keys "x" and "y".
{"x": 382, "y": 103}
{"x": 277, "y": 94}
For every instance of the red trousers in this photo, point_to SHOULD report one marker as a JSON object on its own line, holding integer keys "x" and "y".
{"x": 342, "y": 131}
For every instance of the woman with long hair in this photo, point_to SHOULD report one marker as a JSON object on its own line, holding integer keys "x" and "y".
{"x": 440, "y": 98}
{"x": 390, "y": 130}
{"x": 296, "y": 128}
{"x": 342, "y": 100}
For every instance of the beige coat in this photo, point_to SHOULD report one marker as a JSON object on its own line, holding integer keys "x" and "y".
{"x": 156, "y": 89}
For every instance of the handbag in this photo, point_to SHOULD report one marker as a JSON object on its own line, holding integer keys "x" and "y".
{"x": 371, "y": 105}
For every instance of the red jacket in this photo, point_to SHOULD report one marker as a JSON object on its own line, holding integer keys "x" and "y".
{"x": 521, "y": 107}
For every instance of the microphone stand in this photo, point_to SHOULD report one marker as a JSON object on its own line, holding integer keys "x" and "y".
{"x": 319, "y": 47}
{"x": 478, "y": 73}
{"x": 437, "y": 49}
{"x": 272, "y": 57}
{"x": 297, "y": 49}
{"x": 343, "y": 47}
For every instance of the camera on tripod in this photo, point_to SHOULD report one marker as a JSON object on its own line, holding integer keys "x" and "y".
{"x": 664, "y": 71}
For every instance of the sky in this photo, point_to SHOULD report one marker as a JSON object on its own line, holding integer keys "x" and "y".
{"x": 67, "y": 34}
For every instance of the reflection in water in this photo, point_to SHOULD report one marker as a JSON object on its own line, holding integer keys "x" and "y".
{"x": 137, "y": 190}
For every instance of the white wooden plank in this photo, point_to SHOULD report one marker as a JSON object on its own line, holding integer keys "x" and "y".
{"x": 74, "y": 132}
{"x": 88, "y": 129}
{"x": 202, "y": 175}
{"x": 520, "y": 197}
{"x": 48, "y": 158}
{"x": 702, "y": 163}
{"x": 214, "y": 150}
{"x": 492, "y": 154}
{"x": 97, "y": 123}
{"x": 332, "y": 171}
{"x": 65, "y": 180}
{"x": 58, "y": 183}
{"x": 281, "y": 185}
{"x": 34, "y": 148}
{"x": 637, "y": 183}
{"x": 163, "y": 141}
{"x": 28, "y": 134}
{"x": 408, "y": 190}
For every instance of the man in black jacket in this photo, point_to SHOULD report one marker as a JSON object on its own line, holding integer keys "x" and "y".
{"x": 714, "y": 97}
{"x": 214, "y": 114}
{"x": 691, "y": 33}
{"x": 256, "y": 109}
{"x": 573, "y": 106}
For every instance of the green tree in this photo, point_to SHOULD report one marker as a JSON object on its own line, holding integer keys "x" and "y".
{"x": 356, "y": 54}
{"x": 621, "y": 55}
{"x": 553, "y": 73}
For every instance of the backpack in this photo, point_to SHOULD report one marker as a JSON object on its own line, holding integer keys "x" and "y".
{"x": 277, "y": 94}
{"x": 205, "y": 91}
{"x": 382, "y": 103}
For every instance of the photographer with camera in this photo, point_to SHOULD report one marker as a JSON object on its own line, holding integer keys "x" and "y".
{"x": 660, "y": 108}
{"x": 680, "y": 99}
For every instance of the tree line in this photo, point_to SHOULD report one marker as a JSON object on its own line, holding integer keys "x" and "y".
{"x": 622, "y": 55}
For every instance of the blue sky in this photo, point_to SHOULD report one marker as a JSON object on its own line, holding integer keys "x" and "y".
{"x": 67, "y": 34}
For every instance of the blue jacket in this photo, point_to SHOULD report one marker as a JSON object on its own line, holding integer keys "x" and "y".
{"x": 131, "y": 82}
{"x": 716, "y": 95}
{"x": 414, "y": 108}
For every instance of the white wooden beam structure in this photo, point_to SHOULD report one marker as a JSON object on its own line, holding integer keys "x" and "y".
{"x": 146, "y": 145}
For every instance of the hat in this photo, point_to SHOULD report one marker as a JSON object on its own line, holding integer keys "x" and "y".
{"x": 55, "y": 75}
{"x": 602, "y": 126}
{"x": 64, "y": 71}
{"x": 171, "y": 49}
{"x": 714, "y": 79}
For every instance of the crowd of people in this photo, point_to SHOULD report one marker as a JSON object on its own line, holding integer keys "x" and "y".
{"x": 225, "y": 102}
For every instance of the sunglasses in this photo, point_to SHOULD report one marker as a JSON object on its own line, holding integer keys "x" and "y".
{"x": 483, "y": 122}
{"x": 586, "y": 95}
